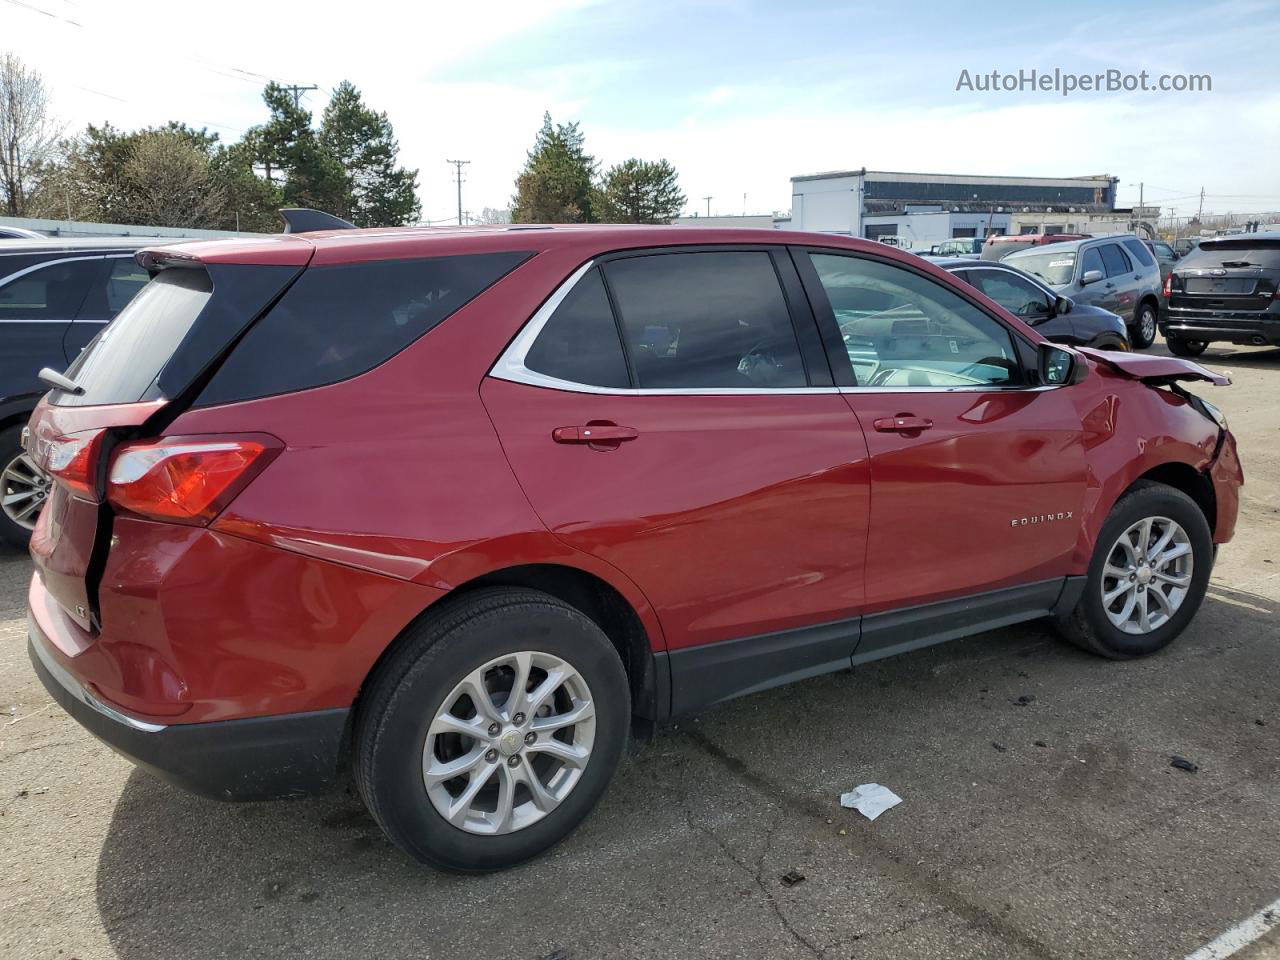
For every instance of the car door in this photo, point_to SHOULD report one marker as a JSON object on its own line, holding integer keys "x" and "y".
{"x": 118, "y": 280}
{"x": 1123, "y": 283}
{"x": 977, "y": 472}
{"x": 39, "y": 298}
{"x": 693, "y": 439}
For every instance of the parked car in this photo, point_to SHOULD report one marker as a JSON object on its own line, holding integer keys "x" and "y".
{"x": 1000, "y": 246}
{"x": 1227, "y": 289}
{"x": 1184, "y": 245}
{"x": 19, "y": 233}
{"x": 451, "y": 507}
{"x": 1054, "y": 316}
{"x": 1165, "y": 256}
{"x": 1117, "y": 273}
{"x": 966, "y": 247}
{"x": 54, "y": 296}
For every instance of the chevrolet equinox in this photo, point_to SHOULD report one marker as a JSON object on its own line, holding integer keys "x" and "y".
{"x": 447, "y": 509}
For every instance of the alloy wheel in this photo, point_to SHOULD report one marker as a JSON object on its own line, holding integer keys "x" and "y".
{"x": 24, "y": 487}
{"x": 1147, "y": 324}
{"x": 1147, "y": 575}
{"x": 509, "y": 743}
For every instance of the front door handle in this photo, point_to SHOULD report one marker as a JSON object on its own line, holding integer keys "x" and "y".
{"x": 604, "y": 433}
{"x": 902, "y": 423}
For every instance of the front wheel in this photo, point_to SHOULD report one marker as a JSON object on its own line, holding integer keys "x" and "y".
{"x": 492, "y": 731}
{"x": 1150, "y": 568}
{"x": 1186, "y": 348}
{"x": 1144, "y": 327}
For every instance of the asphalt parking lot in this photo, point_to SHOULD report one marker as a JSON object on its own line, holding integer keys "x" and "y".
{"x": 1051, "y": 827}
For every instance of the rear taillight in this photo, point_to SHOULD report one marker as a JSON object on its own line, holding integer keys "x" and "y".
{"x": 72, "y": 460}
{"x": 184, "y": 479}
{"x": 1168, "y": 285}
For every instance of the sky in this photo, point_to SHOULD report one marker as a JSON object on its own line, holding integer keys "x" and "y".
{"x": 739, "y": 95}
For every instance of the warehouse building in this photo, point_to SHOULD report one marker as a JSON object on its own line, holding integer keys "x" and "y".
{"x": 918, "y": 209}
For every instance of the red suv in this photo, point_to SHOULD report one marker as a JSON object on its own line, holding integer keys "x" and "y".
{"x": 449, "y": 508}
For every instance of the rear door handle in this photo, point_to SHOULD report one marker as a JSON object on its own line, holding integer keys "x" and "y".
{"x": 902, "y": 423}
{"x": 594, "y": 433}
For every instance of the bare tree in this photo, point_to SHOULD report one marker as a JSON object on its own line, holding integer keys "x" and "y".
{"x": 166, "y": 182}
{"x": 28, "y": 135}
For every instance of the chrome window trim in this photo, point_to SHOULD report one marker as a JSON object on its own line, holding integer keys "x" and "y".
{"x": 511, "y": 367}
{"x": 77, "y": 689}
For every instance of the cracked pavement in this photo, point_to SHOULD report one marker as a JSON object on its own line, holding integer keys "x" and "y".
{"x": 1088, "y": 846}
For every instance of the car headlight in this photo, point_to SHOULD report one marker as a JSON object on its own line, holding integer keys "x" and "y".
{"x": 1216, "y": 415}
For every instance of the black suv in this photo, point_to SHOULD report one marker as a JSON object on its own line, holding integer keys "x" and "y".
{"x": 1227, "y": 288}
{"x": 55, "y": 295}
{"x": 1054, "y": 316}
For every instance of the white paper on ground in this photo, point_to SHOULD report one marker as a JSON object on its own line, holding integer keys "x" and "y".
{"x": 870, "y": 800}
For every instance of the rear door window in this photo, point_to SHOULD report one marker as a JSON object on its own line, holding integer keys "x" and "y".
{"x": 339, "y": 321}
{"x": 51, "y": 292}
{"x": 1114, "y": 259}
{"x": 1139, "y": 251}
{"x": 121, "y": 362}
{"x": 706, "y": 320}
{"x": 580, "y": 341}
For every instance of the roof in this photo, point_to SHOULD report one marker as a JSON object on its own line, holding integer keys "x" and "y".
{"x": 974, "y": 177}
{"x": 350, "y": 246}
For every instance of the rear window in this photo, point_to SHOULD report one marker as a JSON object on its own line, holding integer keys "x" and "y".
{"x": 337, "y": 322}
{"x": 121, "y": 362}
{"x": 1245, "y": 251}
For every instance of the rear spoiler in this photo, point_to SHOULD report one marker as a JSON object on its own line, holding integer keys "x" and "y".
{"x": 304, "y": 220}
{"x": 1152, "y": 369}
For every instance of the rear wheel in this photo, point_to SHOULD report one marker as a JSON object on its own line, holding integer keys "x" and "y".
{"x": 23, "y": 489}
{"x": 1148, "y": 575}
{"x": 1186, "y": 348}
{"x": 1144, "y": 326}
{"x": 493, "y": 731}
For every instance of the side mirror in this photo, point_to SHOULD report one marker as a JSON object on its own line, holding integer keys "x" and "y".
{"x": 1062, "y": 306}
{"x": 1059, "y": 367}
{"x": 1090, "y": 276}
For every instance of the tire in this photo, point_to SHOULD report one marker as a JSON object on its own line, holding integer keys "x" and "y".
{"x": 1186, "y": 348}
{"x": 1088, "y": 625}
{"x": 18, "y": 476}
{"x": 401, "y": 718}
{"x": 1142, "y": 333}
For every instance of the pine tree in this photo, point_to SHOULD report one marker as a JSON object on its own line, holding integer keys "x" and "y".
{"x": 556, "y": 183}
{"x": 638, "y": 191}
{"x": 292, "y": 157}
{"x": 361, "y": 141}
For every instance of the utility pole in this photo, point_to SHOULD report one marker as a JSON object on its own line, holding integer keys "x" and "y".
{"x": 1201, "y": 210}
{"x": 458, "y": 176}
{"x": 708, "y": 199}
{"x": 297, "y": 91}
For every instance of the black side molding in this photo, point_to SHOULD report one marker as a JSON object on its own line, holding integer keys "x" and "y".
{"x": 304, "y": 219}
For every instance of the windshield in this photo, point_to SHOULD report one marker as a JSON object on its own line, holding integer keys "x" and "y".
{"x": 1053, "y": 266}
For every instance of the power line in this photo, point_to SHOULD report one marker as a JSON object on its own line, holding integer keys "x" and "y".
{"x": 459, "y": 177}
{"x": 297, "y": 91}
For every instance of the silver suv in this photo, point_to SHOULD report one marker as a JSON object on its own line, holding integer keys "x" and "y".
{"x": 1116, "y": 272}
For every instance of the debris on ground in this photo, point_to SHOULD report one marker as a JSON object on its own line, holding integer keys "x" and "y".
{"x": 1041, "y": 743}
{"x": 1260, "y": 722}
{"x": 843, "y": 832}
{"x": 1024, "y": 699}
{"x": 791, "y": 878}
{"x": 1182, "y": 763}
{"x": 999, "y": 746}
{"x": 870, "y": 800}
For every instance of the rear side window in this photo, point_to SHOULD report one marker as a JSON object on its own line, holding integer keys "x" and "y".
{"x": 580, "y": 342}
{"x": 340, "y": 321}
{"x": 1114, "y": 259}
{"x": 1139, "y": 251}
{"x": 706, "y": 320}
{"x": 50, "y": 292}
